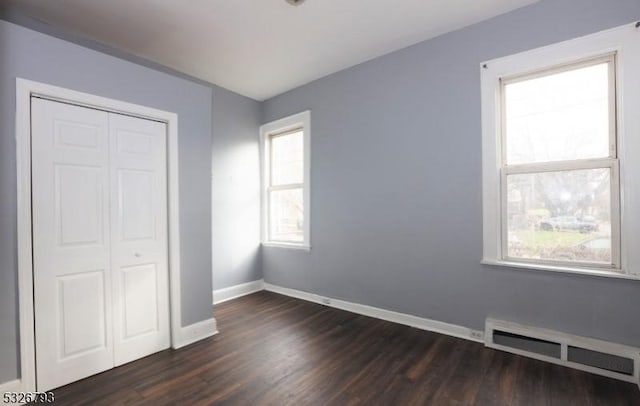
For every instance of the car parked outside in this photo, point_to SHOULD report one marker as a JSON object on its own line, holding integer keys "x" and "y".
{"x": 569, "y": 223}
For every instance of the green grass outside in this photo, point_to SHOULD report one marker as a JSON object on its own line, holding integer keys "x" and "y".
{"x": 551, "y": 239}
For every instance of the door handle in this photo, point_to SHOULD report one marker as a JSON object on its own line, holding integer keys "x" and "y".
{"x": 137, "y": 255}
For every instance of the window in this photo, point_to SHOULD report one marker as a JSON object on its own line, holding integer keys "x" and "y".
{"x": 560, "y": 176}
{"x": 554, "y": 121}
{"x": 286, "y": 181}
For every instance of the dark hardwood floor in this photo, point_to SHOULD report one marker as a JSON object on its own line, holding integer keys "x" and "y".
{"x": 274, "y": 350}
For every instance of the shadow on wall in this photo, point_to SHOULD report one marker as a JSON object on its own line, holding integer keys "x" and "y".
{"x": 236, "y": 215}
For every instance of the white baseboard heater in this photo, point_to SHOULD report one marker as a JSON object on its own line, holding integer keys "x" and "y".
{"x": 587, "y": 354}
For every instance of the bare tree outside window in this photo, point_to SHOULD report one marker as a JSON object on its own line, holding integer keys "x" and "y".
{"x": 560, "y": 164}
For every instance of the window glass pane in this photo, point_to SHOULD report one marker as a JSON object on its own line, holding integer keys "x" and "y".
{"x": 562, "y": 116}
{"x": 560, "y": 216}
{"x": 286, "y": 215}
{"x": 287, "y": 160}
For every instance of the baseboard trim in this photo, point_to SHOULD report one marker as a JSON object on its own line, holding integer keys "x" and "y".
{"x": 11, "y": 386}
{"x": 234, "y": 292}
{"x": 388, "y": 315}
{"x": 196, "y": 332}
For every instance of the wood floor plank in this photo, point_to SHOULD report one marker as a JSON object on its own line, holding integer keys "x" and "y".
{"x": 276, "y": 350}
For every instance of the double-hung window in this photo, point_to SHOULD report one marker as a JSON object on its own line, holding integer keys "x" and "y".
{"x": 559, "y": 170}
{"x": 557, "y": 123}
{"x": 286, "y": 154}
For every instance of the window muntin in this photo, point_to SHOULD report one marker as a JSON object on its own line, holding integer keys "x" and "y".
{"x": 559, "y": 180}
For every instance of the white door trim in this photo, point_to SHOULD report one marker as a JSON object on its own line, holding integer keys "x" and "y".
{"x": 24, "y": 90}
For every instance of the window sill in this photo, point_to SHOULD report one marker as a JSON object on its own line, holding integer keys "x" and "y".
{"x": 601, "y": 272}
{"x": 300, "y": 247}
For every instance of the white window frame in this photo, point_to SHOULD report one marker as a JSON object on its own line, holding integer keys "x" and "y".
{"x": 611, "y": 162}
{"x": 623, "y": 45}
{"x": 267, "y": 131}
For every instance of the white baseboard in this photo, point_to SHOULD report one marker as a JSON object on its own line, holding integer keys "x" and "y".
{"x": 10, "y": 386}
{"x": 233, "y": 292}
{"x": 388, "y": 315}
{"x": 196, "y": 332}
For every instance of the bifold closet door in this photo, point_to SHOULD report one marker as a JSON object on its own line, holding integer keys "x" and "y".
{"x": 99, "y": 240}
{"x": 138, "y": 237}
{"x": 71, "y": 242}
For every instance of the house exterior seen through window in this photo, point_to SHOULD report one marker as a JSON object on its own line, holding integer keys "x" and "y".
{"x": 560, "y": 174}
{"x": 560, "y": 164}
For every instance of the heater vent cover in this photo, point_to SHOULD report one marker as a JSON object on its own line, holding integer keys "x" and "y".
{"x": 597, "y": 359}
{"x": 587, "y": 354}
{"x": 530, "y": 344}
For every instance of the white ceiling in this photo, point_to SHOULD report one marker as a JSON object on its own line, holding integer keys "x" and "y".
{"x": 261, "y": 48}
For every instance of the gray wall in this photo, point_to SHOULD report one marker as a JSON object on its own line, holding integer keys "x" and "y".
{"x": 31, "y": 55}
{"x": 396, "y": 185}
{"x": 236, "y": 189}
{"x": 396, "y": 219}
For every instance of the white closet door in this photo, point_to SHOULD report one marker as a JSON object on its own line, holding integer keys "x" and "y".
{"x": 138, "y": 237}
{"x": 71, "y": 238}
{"x": 101, "y": 291}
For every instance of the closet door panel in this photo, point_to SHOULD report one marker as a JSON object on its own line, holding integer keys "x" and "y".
{"x": 71, "y": 242}
{"x": 139, "y": 237}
